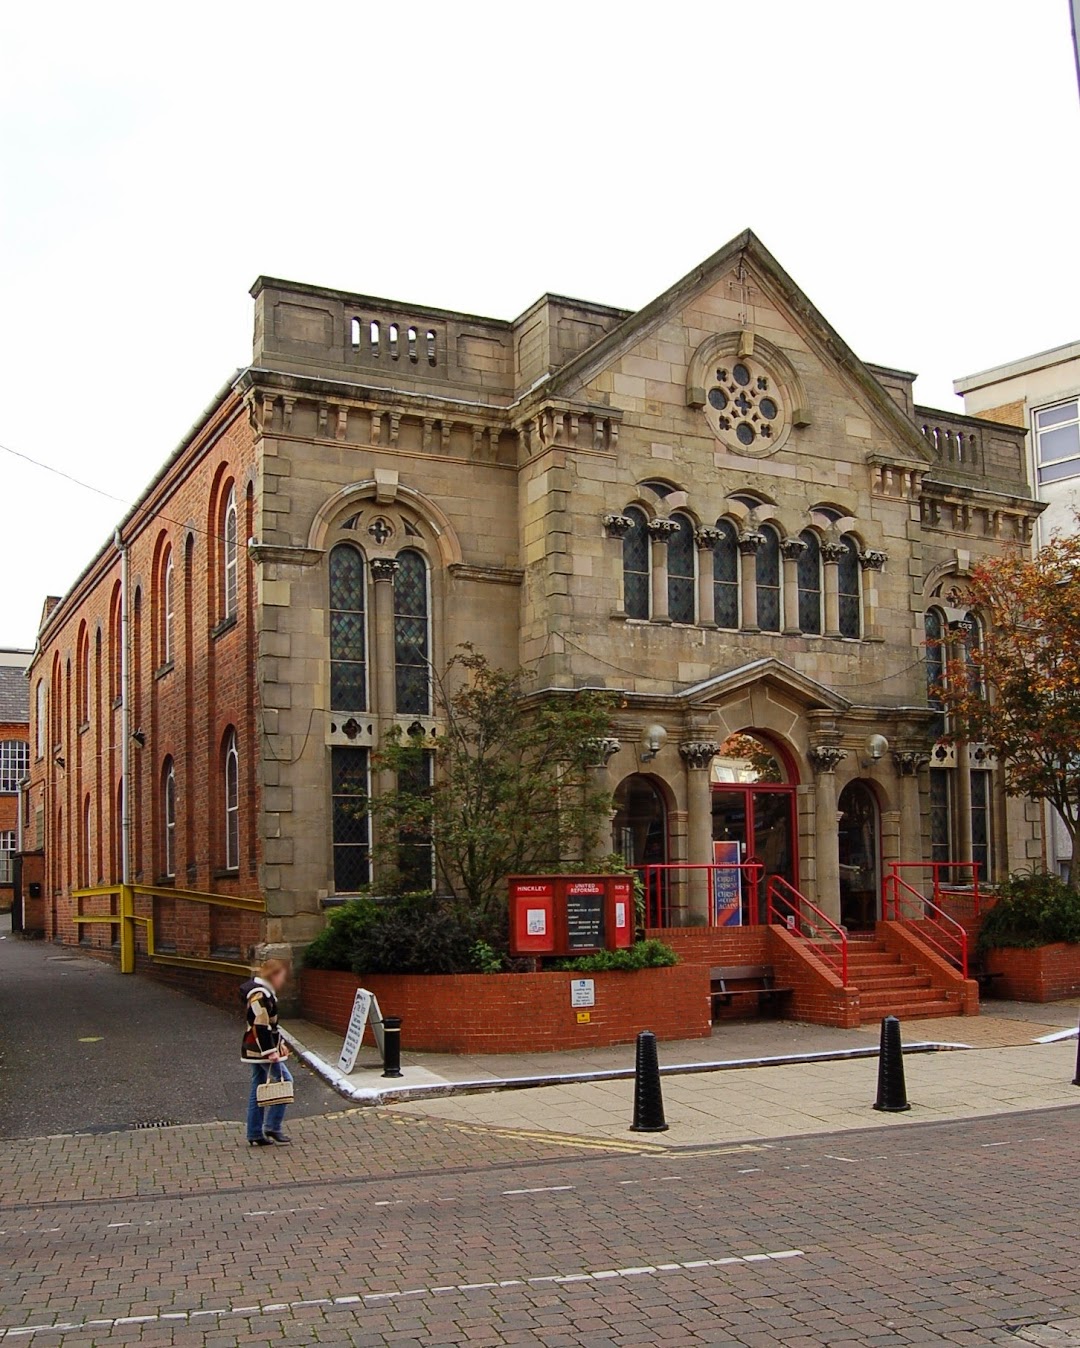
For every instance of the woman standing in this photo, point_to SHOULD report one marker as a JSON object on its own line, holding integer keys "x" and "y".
{"x": 265, "y": 1050}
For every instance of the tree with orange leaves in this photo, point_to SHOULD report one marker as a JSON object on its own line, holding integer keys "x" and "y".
{"x": 1018, "y": 688}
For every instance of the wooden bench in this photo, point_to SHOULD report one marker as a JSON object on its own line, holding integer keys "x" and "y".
{"x": 761, "y": 977}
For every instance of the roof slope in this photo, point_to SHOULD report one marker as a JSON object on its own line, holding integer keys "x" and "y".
{"x": 14, "y": 695}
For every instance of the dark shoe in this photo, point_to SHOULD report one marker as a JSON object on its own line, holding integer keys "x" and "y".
{"x": 259, "y": 1142}
{"x": 281, "y": 1139}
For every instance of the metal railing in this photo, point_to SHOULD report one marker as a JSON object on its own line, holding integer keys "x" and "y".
{"x": 661, "y": 879}
{"x": 934, "y": 927}
{"x": 951, "y": 888}
{"x": 790, "y": 909}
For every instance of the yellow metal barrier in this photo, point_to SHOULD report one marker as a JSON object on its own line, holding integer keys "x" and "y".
{"x": 126, "y": 918}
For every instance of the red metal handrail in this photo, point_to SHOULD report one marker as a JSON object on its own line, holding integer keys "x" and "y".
{"x": 952, "y": 946}
{"x": 657, "y": 874}
{"x": 789, "y": 910}
{"x": 936, "y": 868}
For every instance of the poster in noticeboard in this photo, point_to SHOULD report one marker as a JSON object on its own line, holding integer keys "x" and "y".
{"x": 727, "y": 884}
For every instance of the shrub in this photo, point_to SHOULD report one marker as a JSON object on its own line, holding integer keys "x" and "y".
{"x": 1032, "y": 909}
{"x": 345, "y": 926}
{"x": 642, "y": 955}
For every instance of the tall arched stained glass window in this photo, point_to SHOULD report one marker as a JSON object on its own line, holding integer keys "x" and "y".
{"x": 680, "y": 561}
{"x": 348, "y": 649}
{"x": 768, "y": 580}
{"x": 726, "y": 576}
{"x": 412, "y": 642}
{"x": 934, "y": 631}
{"x": 847, "y": 579}
{"x": 636, "y": 565}
{"x": 810, "y": 584}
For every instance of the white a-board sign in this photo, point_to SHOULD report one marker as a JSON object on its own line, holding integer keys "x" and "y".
{"x": 364, "y": 1006}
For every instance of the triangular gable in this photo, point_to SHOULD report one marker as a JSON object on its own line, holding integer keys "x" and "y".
{"x": 769, "y": 670}
{"x": 621, "y": 339}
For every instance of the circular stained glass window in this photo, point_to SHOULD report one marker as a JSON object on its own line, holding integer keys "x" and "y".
{"x": 744, "y": 407}
{"x": 745, "y": 432}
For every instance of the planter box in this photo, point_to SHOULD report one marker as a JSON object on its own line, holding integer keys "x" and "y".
{"x": 518, "y": 1013}
{"x": 1048, "y": 973}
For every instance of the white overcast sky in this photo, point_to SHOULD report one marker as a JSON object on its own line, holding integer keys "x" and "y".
{"x": 913, "y": 165}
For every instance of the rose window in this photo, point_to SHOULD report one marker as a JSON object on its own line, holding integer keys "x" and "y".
{"x": 744, "y": 407}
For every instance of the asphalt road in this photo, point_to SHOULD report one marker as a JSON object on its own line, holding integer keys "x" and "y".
{"x": 958, "y": 1234}
{"x": 83, "y": 1047}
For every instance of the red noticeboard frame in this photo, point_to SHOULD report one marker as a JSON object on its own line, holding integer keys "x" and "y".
{"x": 570, "y": 914}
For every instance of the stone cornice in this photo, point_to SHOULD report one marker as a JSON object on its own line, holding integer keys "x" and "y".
{"x": 487, "y": 575}
{"x": 284, "y": 555}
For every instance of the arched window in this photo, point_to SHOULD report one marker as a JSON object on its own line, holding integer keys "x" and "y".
{"x": 847, "y": 583}
{"x": 167, "y": 609}
{"x": 229, "y": 571}
{"x": 88, "y": 844}
{"x": 768, "y": 580}
{"x": 810, "y": 584}
{"x": 82, "y": 678}
{"x": 348, "y": 650}
{"x": 934, "y": 631}
{"x": 635, "y": 553}
{"x": 116, "y": 647}
{"x": 726, "y": 576}
{"x": 14, "y": 765}
{"x": 230, "y": 771}
{"x": 412, "y": 664}
{"x": 680, "y": 560}
{"x": 168, "y": 818}
{"x": 39, "y": 719}
{"x": 972, "y": 639}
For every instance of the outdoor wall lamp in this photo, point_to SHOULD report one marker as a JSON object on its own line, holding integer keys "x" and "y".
{"x": 876, "y": 747}
{"x": 655, "y": 736}
{"x": 139, "y": 736}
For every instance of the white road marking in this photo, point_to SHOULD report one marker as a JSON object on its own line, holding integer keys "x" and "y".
{"x": 848, "y": 1160}
{"x": 547, "y": 1189}
{"x": 375, "y": 1298}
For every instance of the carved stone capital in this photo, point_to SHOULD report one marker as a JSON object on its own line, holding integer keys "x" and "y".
{"x": 618, "y": 526}
{"x": 283, "y": 555}
{"x": 873, "y": 559}
{"x": 791, "y": 549}
{"x": 698, "y": 753}
{"x": 384, "y": 568}
{"x": 833, "y": 552}
{"x": 909, "y": 762}
{"x": 707, "y": 537}
{"x": 662, "y": 530}
{"x": 826, "y": 757}
{"x": 749, "y": 541}
{"x": 604, "y": 747}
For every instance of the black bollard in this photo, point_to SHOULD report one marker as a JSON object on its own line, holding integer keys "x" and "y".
{"x": 648, "y": 1098}
{"x": 391, "y": 1046}
{"x": 1076, "y": 1078}
{"x": 891, "y": 1087}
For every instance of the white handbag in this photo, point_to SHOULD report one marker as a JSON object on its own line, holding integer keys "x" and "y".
{"x": 271, "y": 1092}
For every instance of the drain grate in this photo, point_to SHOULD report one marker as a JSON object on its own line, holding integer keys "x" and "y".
{"x": 154, "y": 1123}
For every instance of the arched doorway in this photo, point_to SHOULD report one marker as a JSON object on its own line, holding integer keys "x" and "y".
{"x": 640, "y": 827}
{"x": 753, "y": 809}
{"x": 860, "y": 857}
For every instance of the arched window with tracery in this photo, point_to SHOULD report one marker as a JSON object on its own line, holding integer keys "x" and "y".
{"x": 848, "y": 588}
{"x": 636, "y": 565}
{"x": 348, "y": 636}
{"x": 680, "y": 563}
{"x": 229, "y": 561}
{"x": 412, "y": 635}
{"x": 809, "y": 570}
{"x": 167, "y": 608}
{"x": 726, "y": 576}
{"x": 934, "y": 633}
{"x": 767, "y": 563}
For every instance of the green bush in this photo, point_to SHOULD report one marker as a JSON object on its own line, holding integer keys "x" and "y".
{"x": 1032, "y": 909}
{"x": 642, "y": 955}
{"x": 345, "y": 927}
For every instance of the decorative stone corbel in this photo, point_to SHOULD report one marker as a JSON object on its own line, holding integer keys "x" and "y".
{"x": 662, "y": 529}
{"x": 791, "y": 549}
{"x": 384, "y": 568}
{"x": 618, "y": 526}
{"x": 698, "y": 753}
{"x": 707, "y": 537}
{"x": 909, "y": 762}
{"x": 873, "y": 559}
{"x": 826, "y": 757}
{"x": 748, "y": 541}
{"x": 604, "y": 747}
{"x": 833, "y": 551}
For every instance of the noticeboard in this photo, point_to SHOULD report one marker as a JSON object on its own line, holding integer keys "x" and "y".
{"x": 585, "y": 915}
{"x": 570, "y": 914}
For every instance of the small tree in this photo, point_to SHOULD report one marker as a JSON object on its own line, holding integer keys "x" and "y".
{"x": 512, "y": 790}
{"x": 1019, "y": 688}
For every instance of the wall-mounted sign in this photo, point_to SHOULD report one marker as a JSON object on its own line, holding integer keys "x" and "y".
{"x": 583, "y": 992}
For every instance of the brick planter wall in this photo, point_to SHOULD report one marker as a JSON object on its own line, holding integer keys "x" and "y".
{"x": 1046, "y": 974}
{"x": 945, "y": 978}
{"x": 517, "y": 1013}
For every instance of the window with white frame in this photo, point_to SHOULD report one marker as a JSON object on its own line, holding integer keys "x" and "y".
{"x": 229, "y": 583}
{"x": 1057, "y": 441}
{"x": 167, "y": 610}
{"x": 231, "y": 774}
{"x": 168, "y": 818}
{"x": 7, "y": 852}
{"x": 14, "y": 765}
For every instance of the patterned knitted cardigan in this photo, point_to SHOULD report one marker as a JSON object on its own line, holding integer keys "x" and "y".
{"x": 261, "y": 1037}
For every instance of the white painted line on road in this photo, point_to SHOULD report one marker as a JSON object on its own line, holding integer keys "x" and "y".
{"x": 848, "y": 1160}
{"x": 547, "y": 1189}
{"x": 375, "y": 1298}
{"x": 1056, "y": 1037}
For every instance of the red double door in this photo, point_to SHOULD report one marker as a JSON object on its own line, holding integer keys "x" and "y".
{"x": 761, "y": 819}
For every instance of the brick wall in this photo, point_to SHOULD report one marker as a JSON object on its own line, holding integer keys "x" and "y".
{"x": 517, "y": 1013}
{"x": 1047, "y": 974}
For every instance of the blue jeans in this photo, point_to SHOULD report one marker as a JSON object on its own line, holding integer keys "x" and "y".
{"x": 259, "y": 1120}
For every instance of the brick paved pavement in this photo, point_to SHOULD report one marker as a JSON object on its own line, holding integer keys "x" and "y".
{"x": 930, "y": 1234}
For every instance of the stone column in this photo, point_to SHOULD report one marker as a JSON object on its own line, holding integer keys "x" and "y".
{"x": 748, "y": 542}
{"x": 603, "y": 843}
{"x": 698, "y": 756}
{"x": 791, "y": 549}
{"x": 706, "y": 540}
{"x": 872, "y": 560}
{"x": 660, "y": 532}
{"x": 616, "y": 527}
{"x": 831, "y": 554}
{"x": 824, "y": 759}
{"x": 908, "y": 764}
{"x": 963, "y": 806}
